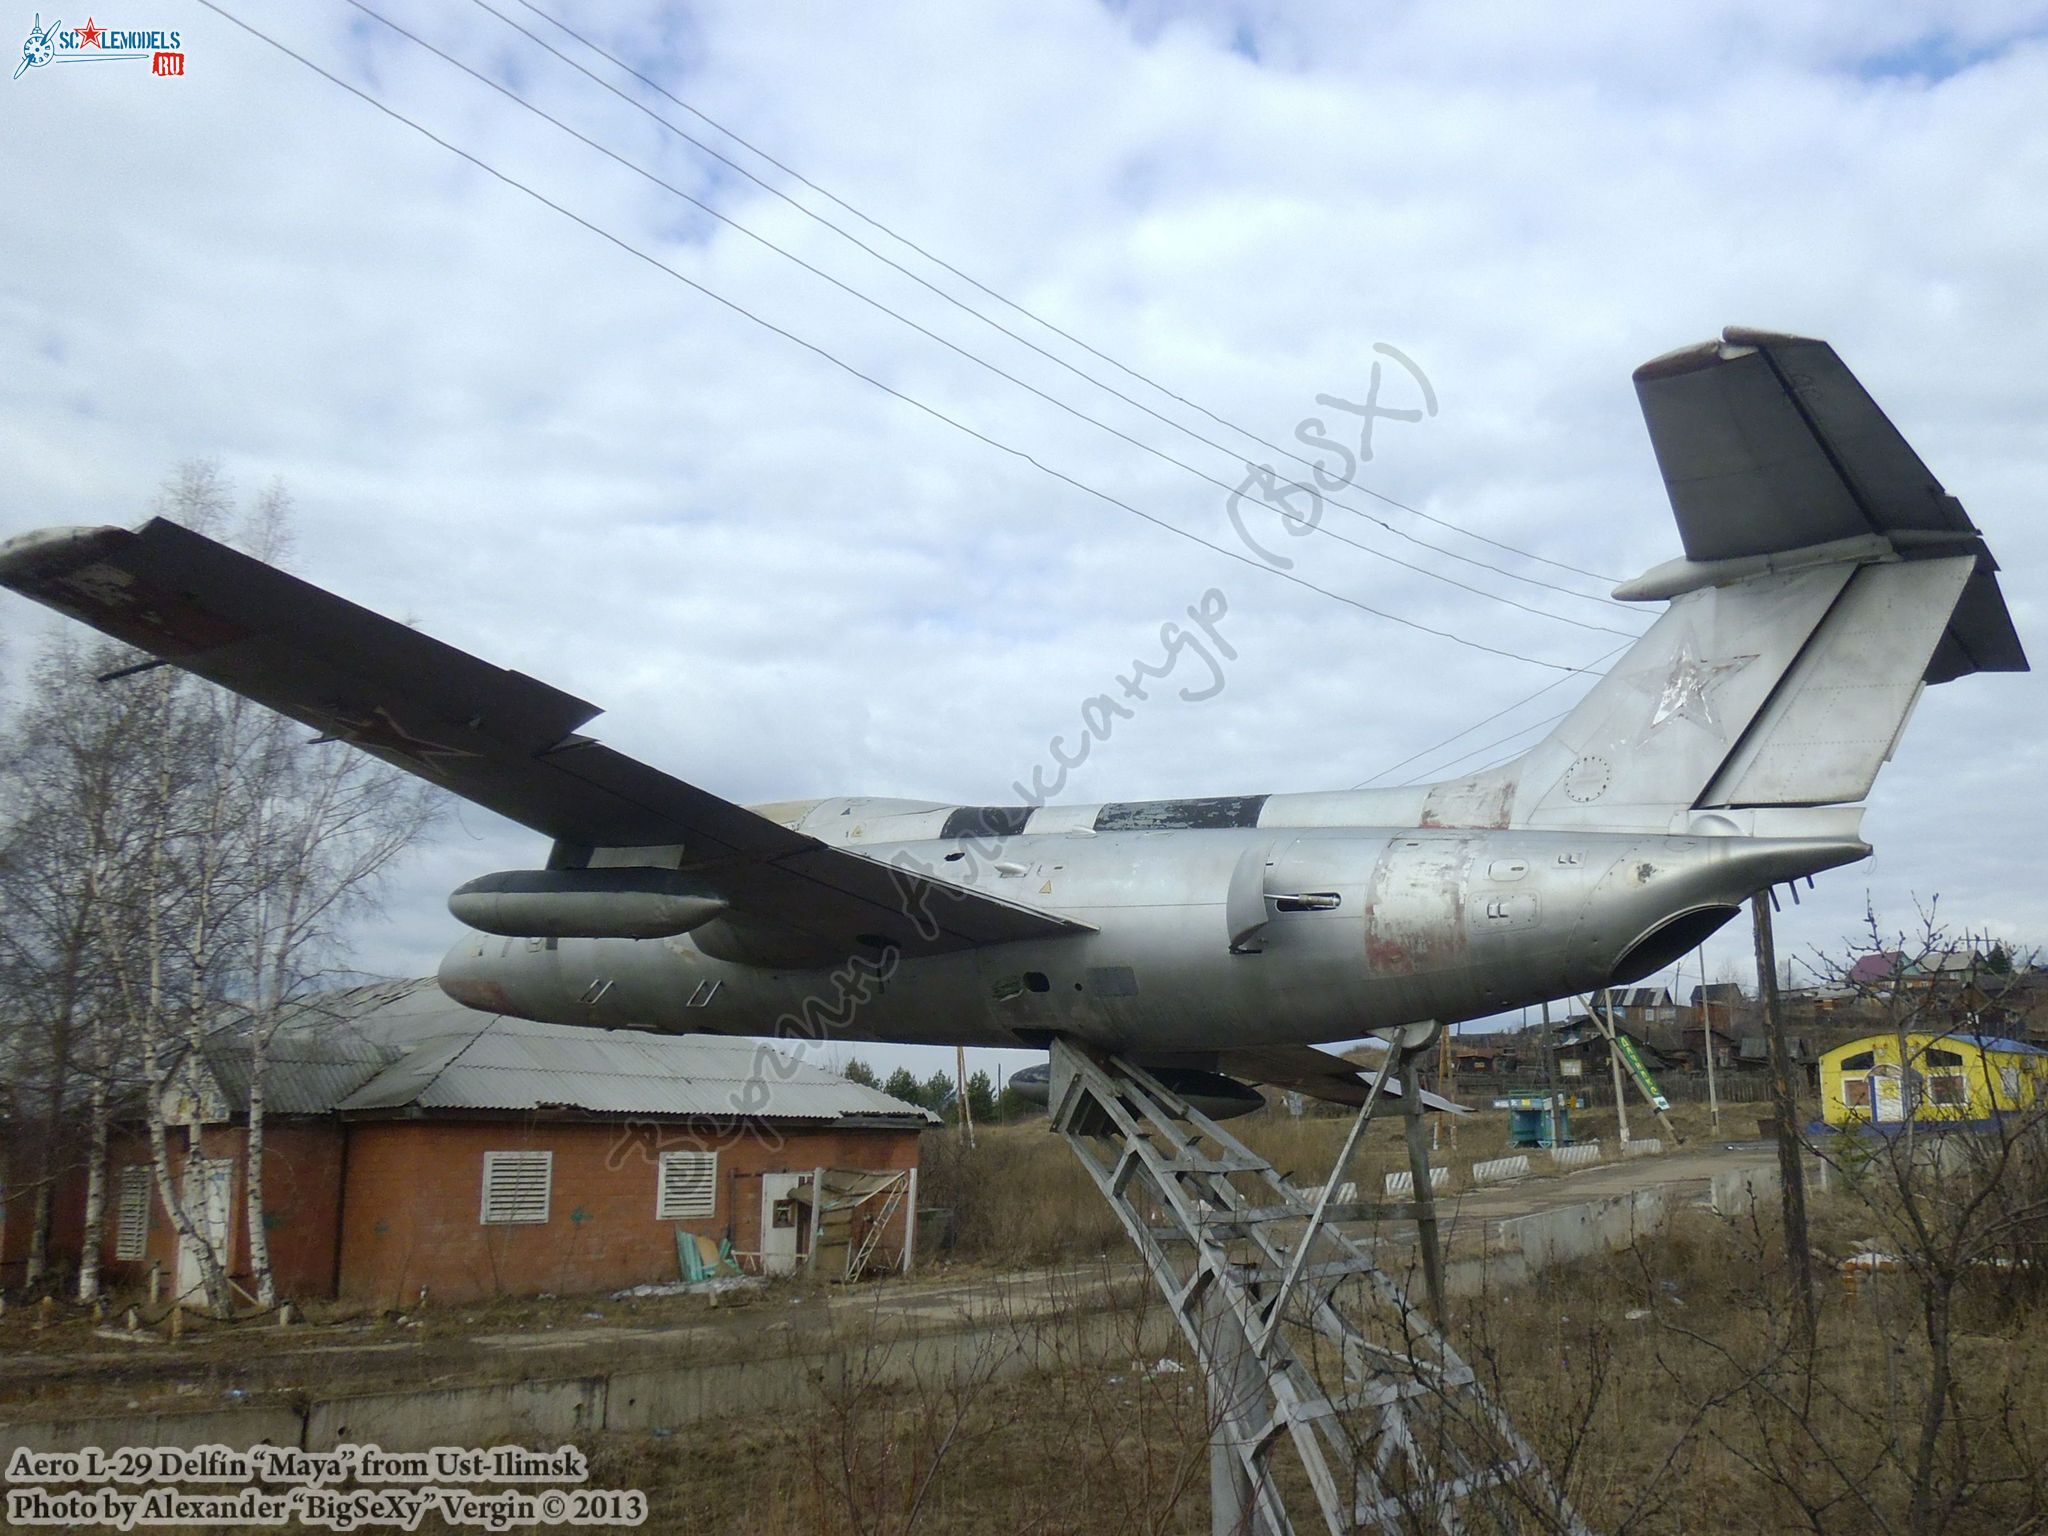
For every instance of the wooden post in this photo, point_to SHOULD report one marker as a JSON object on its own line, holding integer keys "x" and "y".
{"x": 1425, "y": 1194}
{"x": 966, "y": 1113}
{"x": 1707, "y": 1041}
{"x": 1791, "y": 1167}
{"x": 1549, "y": 1078}
{"x": 1634, "y": 1076}
{"x": 1614, "y": 1061}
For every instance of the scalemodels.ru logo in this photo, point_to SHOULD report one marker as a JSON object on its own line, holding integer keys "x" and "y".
{"x": 55, "y": 44}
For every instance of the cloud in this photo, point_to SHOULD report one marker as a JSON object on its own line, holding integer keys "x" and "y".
{"x": 782, "y": 582}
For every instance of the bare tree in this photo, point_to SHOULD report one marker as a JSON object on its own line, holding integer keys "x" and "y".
{"x": 200, "y": 858}
{"x": 1943, "y": 1164}
{"x": 323, "y": 824}
{"x": 65, "y": 795}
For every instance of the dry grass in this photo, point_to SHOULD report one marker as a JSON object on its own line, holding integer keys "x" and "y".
{"x": 1663, "y": 1385}
{"x": 1019, "y": 1197}
{"x": 1669, "y": 1422}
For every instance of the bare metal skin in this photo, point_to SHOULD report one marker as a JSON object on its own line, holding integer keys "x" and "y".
{"x": 1826, "y": 578}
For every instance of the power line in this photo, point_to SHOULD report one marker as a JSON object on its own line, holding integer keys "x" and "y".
{"x": 1431, "y": 751}
{"x": 627, "y": 246}
{"x": 1159, "y": 453}
{"x": 1011, "y": 304}
{"x": 1445, "y": 769}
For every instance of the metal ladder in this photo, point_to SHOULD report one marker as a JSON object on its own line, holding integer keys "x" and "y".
{"x": 1324, "y": 1382}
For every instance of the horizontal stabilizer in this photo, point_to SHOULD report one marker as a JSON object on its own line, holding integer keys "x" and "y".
{"x": 1769, "y": 445}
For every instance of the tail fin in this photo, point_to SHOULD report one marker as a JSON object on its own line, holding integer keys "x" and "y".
{"x": 1827, "y": 578}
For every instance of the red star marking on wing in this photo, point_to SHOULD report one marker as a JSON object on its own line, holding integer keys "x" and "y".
{"x": 89, "y": 35}
{"x": 377, "y": 731}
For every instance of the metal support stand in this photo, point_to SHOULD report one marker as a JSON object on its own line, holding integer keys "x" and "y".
{"x": 1323, "y": 1381}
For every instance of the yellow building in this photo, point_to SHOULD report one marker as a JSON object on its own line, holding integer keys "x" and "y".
{"x": 1948, "y": 1079}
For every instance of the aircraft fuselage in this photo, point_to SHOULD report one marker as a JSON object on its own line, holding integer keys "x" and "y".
{"x": 1204, "y": 939}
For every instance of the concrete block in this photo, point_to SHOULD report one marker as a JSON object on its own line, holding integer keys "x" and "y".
{"x": 1642, "y": 1146}
{"x": 1401, "y": 1186}
{"x": 1735, "y": 1191}
{"x": 1582, "y": 1155}
{"x": 1576, "y": 1231}
{"x": 1499, "y": 1169}
{"x": 546, "y": 1413}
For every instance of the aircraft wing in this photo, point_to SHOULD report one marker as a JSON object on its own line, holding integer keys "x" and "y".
{"x": 501, "y": 739}
{"x": 1302, "y": 1068}
{"x": 1769, "y": 444}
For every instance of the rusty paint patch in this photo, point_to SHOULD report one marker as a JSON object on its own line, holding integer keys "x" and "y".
{"x": 1415, "y": 914}
{"x": 473, "y": 992}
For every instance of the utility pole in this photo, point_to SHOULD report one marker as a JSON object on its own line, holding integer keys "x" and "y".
{"x": 1614, "y": 1061}
{"x": 1549, "y": 1077}
{"x": 966, "y": 1109}
{"x": 1444, "y": 1087}
{"x": 1791, "y": 1167}
{"x": 1707, "y": 1040}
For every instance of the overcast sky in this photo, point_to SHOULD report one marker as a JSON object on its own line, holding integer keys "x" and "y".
{"x": 782, "y": 582}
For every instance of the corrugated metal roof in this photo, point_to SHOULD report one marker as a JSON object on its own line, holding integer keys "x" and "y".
{"x": 407, "y": 1045}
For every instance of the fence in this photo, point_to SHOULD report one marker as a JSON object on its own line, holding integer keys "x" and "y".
{"x": 1480, "y": 1089}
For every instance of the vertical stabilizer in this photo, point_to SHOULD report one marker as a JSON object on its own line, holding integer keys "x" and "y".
{"x": 1828, "y": 577}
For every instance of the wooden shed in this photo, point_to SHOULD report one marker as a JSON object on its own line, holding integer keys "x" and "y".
{"x": 1946, "y": 1079}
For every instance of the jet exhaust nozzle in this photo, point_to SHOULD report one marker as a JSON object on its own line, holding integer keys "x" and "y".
{"x": 585, "y": 904}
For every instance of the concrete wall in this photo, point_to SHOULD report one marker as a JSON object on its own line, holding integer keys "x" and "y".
{"x": 549, "y": 1413}
{"x": 1576, "y": 1231}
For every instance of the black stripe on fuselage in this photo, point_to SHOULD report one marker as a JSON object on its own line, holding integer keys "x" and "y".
{"x": 986, "y": 821}
{"x": 1216, "y": 812}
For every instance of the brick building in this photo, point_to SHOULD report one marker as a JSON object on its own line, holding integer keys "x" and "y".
{"x": 413, "y": 1144}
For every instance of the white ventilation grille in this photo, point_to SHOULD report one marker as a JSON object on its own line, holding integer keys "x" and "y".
{"x": 516, "y": 1187}
{"x": 688, "y": 1186}
{"x": 131, "y": 1227}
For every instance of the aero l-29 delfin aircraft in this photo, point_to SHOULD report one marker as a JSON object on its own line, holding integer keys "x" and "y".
{"x": 1826, "y": 578}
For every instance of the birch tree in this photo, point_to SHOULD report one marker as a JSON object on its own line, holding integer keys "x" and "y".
{"x": 63, "y": 787}
{"x": 202, "y": 864}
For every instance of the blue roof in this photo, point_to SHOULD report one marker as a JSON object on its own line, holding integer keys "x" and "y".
{"x": 1997, "y": 1043}
{"x": 2004, "y": 1046}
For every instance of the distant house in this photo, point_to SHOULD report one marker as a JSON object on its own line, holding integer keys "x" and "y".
{"x": 1721, "y": 998}
{"x": 1877, "y": 972}
{"x": 1582, "y": 1050}
{"x": 1644, "y": 1005}
{"x": 1947, "y": 970}
{"x": 1755, "y": 1050}
{"x": 413, "y": 1145}
{"x": 1954, "y": 1079}
{"x": 1686, "y": 1044}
